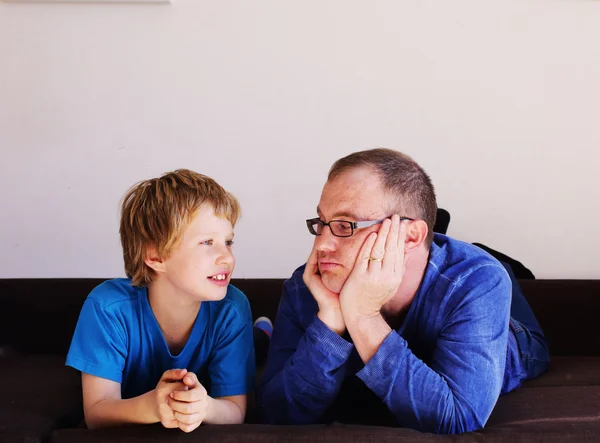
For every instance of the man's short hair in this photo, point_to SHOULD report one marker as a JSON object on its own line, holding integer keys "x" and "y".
{"x": 155, "y": 212}
{"x": 401, "y": 177}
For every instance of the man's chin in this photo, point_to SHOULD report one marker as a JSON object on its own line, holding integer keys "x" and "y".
{"x": 332, "y": 283}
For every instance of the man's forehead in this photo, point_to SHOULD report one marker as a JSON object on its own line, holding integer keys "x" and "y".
{"x": 352, "y": 212}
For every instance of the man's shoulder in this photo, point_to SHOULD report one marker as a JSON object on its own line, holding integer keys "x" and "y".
{"x": 112, "y": 294}
{"x": 295, "y": 284}
{"x": 455, "y": 260}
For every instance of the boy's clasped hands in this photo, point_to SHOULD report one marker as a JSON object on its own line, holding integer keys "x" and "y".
{"x": 181, "y": 400}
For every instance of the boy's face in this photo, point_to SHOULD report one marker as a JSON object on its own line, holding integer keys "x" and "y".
{"x": 202, "y": 263}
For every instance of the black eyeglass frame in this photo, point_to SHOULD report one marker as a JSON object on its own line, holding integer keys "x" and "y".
{"x": 353, "y": 225}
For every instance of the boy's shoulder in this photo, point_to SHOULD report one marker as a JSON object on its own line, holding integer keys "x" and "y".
{"x": 114, "y": 292}
{"x": 236, "y": 300}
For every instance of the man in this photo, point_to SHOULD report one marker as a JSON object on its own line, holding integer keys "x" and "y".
{"x": 388, "y": 322}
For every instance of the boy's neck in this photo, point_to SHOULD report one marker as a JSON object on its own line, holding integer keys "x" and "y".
{"x": 174, "y": 312}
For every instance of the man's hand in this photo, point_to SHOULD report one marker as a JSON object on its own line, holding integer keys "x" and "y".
{"x": 190, "y": 407}
{"x": 169, "y": 382}
{"x": 377, "y": 272}
{"x": 329, "y": 302}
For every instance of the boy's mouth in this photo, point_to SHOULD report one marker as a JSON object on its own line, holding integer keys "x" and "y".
{"x": 219, "y": 277}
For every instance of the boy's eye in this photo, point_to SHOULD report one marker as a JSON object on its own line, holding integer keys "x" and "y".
{"x": 229, "y": 242}
{"x": 207, "y": 242}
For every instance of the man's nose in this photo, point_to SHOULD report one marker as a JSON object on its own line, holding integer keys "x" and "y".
{"x": 326, "y": 242}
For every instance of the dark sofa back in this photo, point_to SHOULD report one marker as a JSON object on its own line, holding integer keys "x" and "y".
{"x": 38, "y": 316}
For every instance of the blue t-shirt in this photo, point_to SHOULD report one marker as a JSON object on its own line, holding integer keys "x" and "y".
{"x": 118, "y": 338}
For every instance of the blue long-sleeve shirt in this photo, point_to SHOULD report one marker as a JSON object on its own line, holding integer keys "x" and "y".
{"x": 441, "y": 371}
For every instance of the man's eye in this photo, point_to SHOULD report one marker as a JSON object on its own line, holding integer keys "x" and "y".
{"x": 207, "y": 242}
{"x": 344, "y": 227}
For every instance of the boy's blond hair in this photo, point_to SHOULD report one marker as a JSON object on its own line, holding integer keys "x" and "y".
{"x": 155, "y": 212}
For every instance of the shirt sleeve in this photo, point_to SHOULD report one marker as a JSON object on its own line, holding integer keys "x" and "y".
{"x": 457, "y": 391}
{"x": 99, "y": 344}
{"x": 305, "y": 367}
{"x": 231, "y": 368}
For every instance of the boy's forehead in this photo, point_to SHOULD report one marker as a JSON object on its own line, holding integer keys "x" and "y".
{"x": 205, "y": 219}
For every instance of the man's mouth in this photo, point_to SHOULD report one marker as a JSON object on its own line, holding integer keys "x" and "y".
{"x": 327, "y": 266}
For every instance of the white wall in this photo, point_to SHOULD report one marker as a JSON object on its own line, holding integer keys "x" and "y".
{"x": 498, "y": 100}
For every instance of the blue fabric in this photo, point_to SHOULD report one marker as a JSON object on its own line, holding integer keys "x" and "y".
{"x": 441, "y": 371}
{"x": 118, "y": 338}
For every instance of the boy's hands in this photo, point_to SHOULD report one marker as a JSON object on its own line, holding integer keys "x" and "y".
{"x": 190, "y": 406}
{"x": 169, "y": 382}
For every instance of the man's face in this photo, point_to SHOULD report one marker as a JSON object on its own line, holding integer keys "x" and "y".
{"x": 356, "y": 195}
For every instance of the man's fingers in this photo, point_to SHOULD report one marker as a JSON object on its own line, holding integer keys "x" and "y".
{"x": 378, "y": 250}
{"x": 173, "y": 375}
{"x": 362, "y": 259}
{"x": 400, "y": 265}
{"x": 391, "y": 255}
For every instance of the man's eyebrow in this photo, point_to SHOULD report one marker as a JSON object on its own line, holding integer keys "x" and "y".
{"x": 341, "y": 215}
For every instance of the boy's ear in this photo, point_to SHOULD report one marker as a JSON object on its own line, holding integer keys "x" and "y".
{"x": 153, "y": 260}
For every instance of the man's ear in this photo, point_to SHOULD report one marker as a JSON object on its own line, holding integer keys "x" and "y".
{"x": 416, "y": 234}
{"x": 153, "y": 260}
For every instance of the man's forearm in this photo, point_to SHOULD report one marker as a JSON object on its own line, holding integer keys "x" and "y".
{"x": 223, "y": 411}
{"x": 112, "y": 412}
{"x": 367, "y": 334}
{"x": 306, "y": 385}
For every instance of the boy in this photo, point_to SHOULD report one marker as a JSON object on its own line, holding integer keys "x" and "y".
{"x": 172, "y": 343}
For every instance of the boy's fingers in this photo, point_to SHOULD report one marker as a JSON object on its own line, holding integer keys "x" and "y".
{"x": 188, "y": 419}
{"x": 191, "y": 380}
{"x": 184, "y": 407}
{"x": 173, "y": 375}
{"x": 193, "y": 394}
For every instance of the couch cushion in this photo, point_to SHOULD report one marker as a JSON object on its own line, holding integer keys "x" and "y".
{"x": 569, "y": 371}
{"x": 568, "y": 314}
{"x": 548, "y": 409}
{"x": 39, "y": 394}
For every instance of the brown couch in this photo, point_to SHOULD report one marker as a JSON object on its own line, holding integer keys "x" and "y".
{"x": 40, "y": 398}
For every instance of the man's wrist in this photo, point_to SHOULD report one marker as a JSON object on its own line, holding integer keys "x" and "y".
{"x": 362, "y": 321}
{"x": 333, "y": 319}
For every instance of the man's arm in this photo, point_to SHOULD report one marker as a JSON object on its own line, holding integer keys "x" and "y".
{"x": 305, "y": 367}
{"x": 457, "y": 391}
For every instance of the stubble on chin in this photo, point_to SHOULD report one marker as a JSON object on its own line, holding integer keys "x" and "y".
{"x": 333, "y": 282}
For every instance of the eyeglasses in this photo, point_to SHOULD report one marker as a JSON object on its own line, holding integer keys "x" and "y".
{"x": 341, "y": 228}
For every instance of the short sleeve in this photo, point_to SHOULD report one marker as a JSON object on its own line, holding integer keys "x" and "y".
{"x": 231, "y": 368}
{"x": 99, "y": 345}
